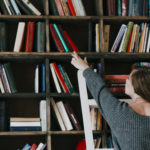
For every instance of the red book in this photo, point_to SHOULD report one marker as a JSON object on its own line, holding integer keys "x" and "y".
{"x": 116, "y": 78}
{"x": 116, "y": 89}
{"x": 71, "y": 8}
{"x": 33, "y": 147}
{"x": 128, "y": 50}
{"x": 29, "y": 37}
{"x": 56, "y": 39}
{"x": 74, "y": 47}
{"x": 60, "y": 78}
{"x": 124, "y": 7}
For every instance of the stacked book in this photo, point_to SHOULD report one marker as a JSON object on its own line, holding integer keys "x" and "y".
{"x": 132, "y": 38}
{"x": 7, "y": 82}
{"x": 25, "y": 124}
{"x": 61, "y": 78}
{"x": 62, "y": 39}
{"x": 116, "y": 83}
{"x": 16, "y": 7}
{"x": 67, "y": 7}
{"x": 65, "y": 116}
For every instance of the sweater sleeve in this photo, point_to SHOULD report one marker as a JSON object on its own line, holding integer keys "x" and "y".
{"x": 111, "y": 108}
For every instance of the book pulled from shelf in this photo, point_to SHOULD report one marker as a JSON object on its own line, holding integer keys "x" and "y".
{"x": 61, "y": 78}
{"x": 40, "y": 146}
{"x": 62, "y": 39}
{"x": 67, "y": 8}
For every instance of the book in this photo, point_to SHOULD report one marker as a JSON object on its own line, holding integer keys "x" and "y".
{"x": 29, "y": 37}
{"x": 43, "y": 116}
{"x": 58, "y": 116}
{"x": 97, "y": 41}
{"x": 59, "y": 7}
{"x": 25, "y": 123}
{"x": 3, "y": 37}
{"x": 40, "y": 146}
{"x": 64, "y": 115}
{"x": 36, "y": 79}
{"x": 33, "y": 147}
{"x": 56, "y": 39}
{"x": 71, "y": 8}
{"x": 53, "y": 8}
{"x": 9, "y": 7}
{"x": 15, "y": 6}
{"x": 115, "y": 78}
{"x": 26, "y": 147}
{"x": 19, "y": 37}
{"x": 65, "y": 7}
{"x": 41, "y": 35}
{"x": 25, "y": 128}
{"x": 106, "y": 37}
{"x": 24, "y": 119}
{"x": 57, "y": 85}
{"x": 43, "y": 78}
{"x": 72, "y": 116}
{"x": 31, "y": 7}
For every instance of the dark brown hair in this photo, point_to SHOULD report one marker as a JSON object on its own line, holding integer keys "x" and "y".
{"x": 141, "y": 81}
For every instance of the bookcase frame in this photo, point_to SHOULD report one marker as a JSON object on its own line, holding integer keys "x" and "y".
{"x": 65, "y": 57}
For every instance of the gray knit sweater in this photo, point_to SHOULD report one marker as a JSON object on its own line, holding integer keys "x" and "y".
{"x": 130, "y": 131}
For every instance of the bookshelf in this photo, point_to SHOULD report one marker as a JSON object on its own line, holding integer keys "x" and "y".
{"x": 26, "y": 103}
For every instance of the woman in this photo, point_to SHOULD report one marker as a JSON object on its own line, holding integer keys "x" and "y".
{"x": 129, "y": 123}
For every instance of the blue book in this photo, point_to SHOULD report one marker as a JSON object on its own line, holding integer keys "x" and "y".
{"x": 130, "y": 7}
{"x": 26, "y": 147}
{"x": 26, "y": 128}
{"x": 43, "y": 87}
{"x": 119, "y": 8}
{"x": 61, "y": 38}
{"x": 14, "y": 5}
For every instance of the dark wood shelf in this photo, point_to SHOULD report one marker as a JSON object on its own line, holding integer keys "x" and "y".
{"x": 24, "y": 95}
{"x": 65, "y": 95}
{"x": 23, "y": 133}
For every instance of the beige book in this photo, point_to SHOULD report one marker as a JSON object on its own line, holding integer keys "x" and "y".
{"x": 18, "y": 119}
{"x": 97, "y": 37}
{"x": 65, "y": 8}
{"x": 19, "y": 36}
{"x": 1, "y": 86}
{"x": 106, "y": 37}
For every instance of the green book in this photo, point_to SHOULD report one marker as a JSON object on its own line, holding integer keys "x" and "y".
{"x": 127, "y": 37}
{"x": 10, "y": 77}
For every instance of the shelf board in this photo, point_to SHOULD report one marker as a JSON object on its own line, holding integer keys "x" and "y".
{"x": 138, "y": 18}
{"x": 71, "y": 132}
{"x": 24, "y": 95}
{"x": 23, "y": 133}
{"x": 65, "y": 95}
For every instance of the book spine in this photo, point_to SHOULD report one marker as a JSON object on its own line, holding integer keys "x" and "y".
{"x": 19, "y": 37}
{"x": 43, "y": 86}
{"x": 53, "y": 7}
{"x": 65, "y": 7}
{"x": 17, "y": 11}
{"x": 119, "y": 8}
{"x": 71, "y": 8}
{"x": 3, "y": 36}
{"x": 64, "y": 115}
{"x": 26, "y": 147}
{"x": 26, "y": 128}
{"x": 41, "y": 37}
{"x": 59, "y": 7}
{"x": 36, "y": 88}
{"x": 124, "y": 7}
{"x": 61, "y": 38}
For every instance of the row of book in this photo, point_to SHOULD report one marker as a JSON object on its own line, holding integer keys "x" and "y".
{"x": 40, "y": 146}
{"x": 62, "y": 39}
{"x": 67, "y": 7}
{"x": 132, "y": 38}
{"x": 61, "y": 78}
{"x": 128, "y": 7}
{"x": 16, "y": 7}
{"x": 7, "y": 82}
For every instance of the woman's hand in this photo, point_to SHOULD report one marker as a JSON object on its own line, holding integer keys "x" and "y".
{"x": 78, "y": 62}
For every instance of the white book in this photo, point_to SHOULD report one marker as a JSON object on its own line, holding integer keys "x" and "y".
{"x": 97, "y": 38}
{"x": 59, "y": 118}
{"x": 1, "y": 86}
{"x": 120, "y": 48}
{"x": 36, "y": 79}
{"x": 119, "y": 37}
{"x": 19, "y": 36}
{"x": 39, "y": 146}
{"x": 43, "y": 115}
{"x": 25, "y": 123}
{"x": 81, "y": 8}
{"x": 15, "y": 6}
{"x": 7, "y": 6}
{"x": 64, "y": 115}
{"x": 145, "y": 38}
{"x": 32, "y": 7}
{"x": 57, "y": 85}
{"x": 75, "y": 6}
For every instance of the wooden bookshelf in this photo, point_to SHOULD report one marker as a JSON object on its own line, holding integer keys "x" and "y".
{"x": 78, "y": 28}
